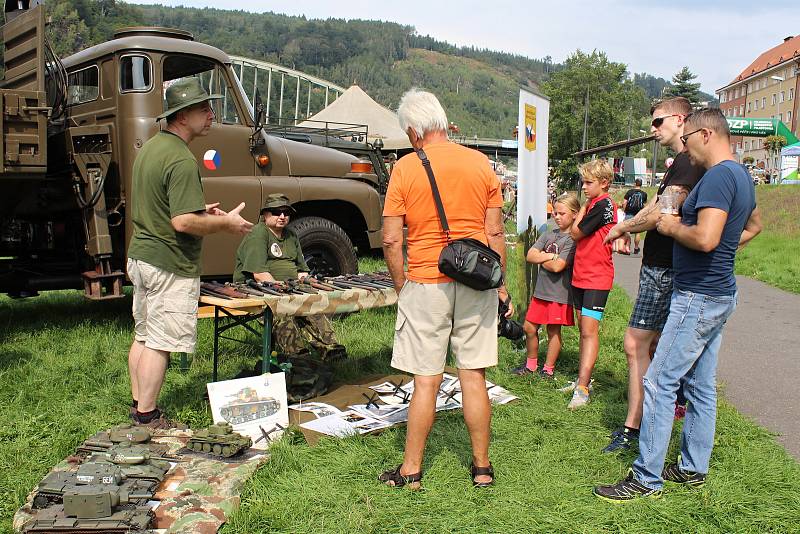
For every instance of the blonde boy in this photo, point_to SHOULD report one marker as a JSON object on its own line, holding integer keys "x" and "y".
{"x": 593, "y": 271}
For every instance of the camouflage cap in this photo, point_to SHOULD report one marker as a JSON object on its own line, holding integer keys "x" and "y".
{"x": 185, "y": 93}
{"x": 277, "y": 200}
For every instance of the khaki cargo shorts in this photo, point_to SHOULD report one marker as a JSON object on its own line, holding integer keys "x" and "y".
{"x": 431, "y": 316}
{"x": 164, "y": 308}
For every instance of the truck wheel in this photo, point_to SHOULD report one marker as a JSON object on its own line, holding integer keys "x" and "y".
{"x": 327, "y": 249}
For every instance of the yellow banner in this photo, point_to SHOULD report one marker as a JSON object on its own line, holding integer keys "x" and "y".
{"x": 530, "y": 127}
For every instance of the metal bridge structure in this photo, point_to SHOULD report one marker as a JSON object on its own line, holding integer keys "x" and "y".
{"x": 288, "y": 96}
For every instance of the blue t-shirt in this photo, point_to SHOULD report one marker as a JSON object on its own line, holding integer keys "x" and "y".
{"x": 726, "y": 186}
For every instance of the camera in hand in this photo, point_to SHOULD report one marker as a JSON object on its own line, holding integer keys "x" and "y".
{"x": 507, "y": 328}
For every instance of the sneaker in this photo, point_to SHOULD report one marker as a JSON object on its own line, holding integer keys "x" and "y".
{"x": 617, "y": 431}
{"x": 522, "y": 370}
{"x": 546, "y": 376}
{"x": 160, "y": 422}
{"x": 622, "y": 441}
{"x": 625, "y": 490}
{"x": 570, "y": 387}
{"x": 580, "y": 397}
{"x": 673, "y": 473}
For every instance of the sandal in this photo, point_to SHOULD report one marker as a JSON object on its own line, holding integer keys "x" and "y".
{"x": 481, "y": 471}
{"x": 393, "y": 478}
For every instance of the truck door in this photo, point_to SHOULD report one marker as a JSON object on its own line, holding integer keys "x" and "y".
{"x": 226, "y": 164}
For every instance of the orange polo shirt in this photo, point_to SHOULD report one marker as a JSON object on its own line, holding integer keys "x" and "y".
{"x": 467, "y": 185}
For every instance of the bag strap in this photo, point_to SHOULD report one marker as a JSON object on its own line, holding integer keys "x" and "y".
{"x": 437, "y": 198}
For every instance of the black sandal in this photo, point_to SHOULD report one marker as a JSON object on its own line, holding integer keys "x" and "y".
{"x": 398, "y": 480}
{"x": 481, "y": 471}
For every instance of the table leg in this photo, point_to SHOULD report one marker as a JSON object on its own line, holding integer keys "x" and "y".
{"x": 216, "y": 343}
{"x": 266, "y": 347}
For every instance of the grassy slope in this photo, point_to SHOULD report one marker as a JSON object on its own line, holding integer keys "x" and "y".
{"x": 772, "y": 256}
{"x": 63, "y": 377}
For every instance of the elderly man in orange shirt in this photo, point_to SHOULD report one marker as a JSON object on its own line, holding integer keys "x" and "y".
{"x": 433, "y": 311}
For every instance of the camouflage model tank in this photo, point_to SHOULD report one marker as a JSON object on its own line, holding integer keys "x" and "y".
{"x": 53, "y": 486}
{"x": 121, "y": 434}
{"x": 124, "y": 519}
{"x": 247, "y": 406}
{"x": 219, "y": 440}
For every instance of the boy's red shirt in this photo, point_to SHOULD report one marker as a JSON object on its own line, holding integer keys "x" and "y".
{"x": 594, "y": 267}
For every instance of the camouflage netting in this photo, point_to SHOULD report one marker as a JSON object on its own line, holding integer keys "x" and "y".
{"x": 196, "y": 496}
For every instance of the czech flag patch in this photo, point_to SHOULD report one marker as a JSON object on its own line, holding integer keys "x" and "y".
{"x": 212, "y": 160}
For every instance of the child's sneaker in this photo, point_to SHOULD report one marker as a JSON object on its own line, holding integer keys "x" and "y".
{"x": 545, "y": 375}
{"x": 522, "y": 370}
{"x": 623, "y": 440}
{"x": 580, "y": 397}
{"x": 570, "y": 387}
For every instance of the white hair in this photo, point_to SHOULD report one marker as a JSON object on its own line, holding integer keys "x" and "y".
{"x": 422, "y": 112}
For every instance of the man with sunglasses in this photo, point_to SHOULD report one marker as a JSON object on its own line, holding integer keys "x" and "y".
{"x": 655, "y": 277}
{"x": 272, "y": 253}
{"x": 718, "y": 217}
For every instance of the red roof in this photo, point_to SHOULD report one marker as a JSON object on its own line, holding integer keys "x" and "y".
{"x": 788, "y": 49}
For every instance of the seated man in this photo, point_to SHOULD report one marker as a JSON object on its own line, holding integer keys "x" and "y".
{"x": 272, "y": 253}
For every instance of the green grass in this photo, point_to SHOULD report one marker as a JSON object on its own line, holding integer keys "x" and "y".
{"x": 63, "y": 376}
{"x": 772, "y": 256}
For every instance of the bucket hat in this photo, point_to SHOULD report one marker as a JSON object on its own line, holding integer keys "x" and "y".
{"x": 184, "y": 93}
{"x": 277, "y": 200}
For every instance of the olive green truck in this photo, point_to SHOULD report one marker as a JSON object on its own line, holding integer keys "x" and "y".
{"x": 70, "y": 132}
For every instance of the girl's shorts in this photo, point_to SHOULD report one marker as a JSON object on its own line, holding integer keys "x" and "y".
{"x": 544, "y": 312}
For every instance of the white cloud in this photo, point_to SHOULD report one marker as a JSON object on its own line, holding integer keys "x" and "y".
{"x": 716, "y": 40}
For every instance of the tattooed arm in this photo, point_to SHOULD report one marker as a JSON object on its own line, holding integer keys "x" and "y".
{"x": 647, "y": 218}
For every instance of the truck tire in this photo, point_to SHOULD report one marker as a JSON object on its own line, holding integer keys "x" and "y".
{"x": 327, "y": 248}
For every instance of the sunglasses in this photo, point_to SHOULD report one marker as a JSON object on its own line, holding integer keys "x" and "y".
{"x": 686, "y": 136}
{"x": 658, "y": 121}
{"x": 279, "y": 212}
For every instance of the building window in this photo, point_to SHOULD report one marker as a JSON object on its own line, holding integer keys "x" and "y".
{"x": 756, "y": 106}
{"x": 780, "y": 116}
{"x": 774, "y": 98}
{"x": 741, "y": 110}
{"x": 749, "y": 107}
{"x": 791, "y": 94}
{"x": 763, "y": 102}
{"x": 747, "y": 145}
{"x": 788, "y": 116}
{"x": 781, "y": 99}
{"x": 738, "y": 145}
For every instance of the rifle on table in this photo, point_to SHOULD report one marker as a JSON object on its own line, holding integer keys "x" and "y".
{"x": 225, "y": 290}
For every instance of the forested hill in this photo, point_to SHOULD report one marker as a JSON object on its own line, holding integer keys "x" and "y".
{"x": 478, "y": 87}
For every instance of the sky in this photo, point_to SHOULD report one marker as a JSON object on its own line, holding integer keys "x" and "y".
{"x": 715, "y": 39}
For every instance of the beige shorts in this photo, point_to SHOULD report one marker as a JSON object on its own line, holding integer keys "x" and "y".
{"x": 164, "y": 308}
{"x": 431, "y": 316}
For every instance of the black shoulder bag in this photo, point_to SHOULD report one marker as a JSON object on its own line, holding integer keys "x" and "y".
{"x": 464, "y": 260}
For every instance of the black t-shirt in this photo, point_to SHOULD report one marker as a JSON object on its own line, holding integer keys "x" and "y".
{"x": 658, "y": 248}
{"x": 636, "y": 199}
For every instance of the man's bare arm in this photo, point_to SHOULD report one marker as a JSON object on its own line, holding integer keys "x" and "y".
{"x": 202, "y": 223}
{"x": 393, "y": 249}
{"x": 703, "y": 236}
{"x": 647, "y": 218}
{"x": 752, "y": 228}
{"x": 496, "y": 236}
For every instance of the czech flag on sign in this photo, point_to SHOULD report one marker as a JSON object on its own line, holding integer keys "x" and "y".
{"x": 211, "y": 160}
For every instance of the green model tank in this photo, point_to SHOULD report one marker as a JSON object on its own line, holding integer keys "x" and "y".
{"x": 219, "y": 440}
{"x": 135, "y": 461}
{"x": 121, "y": 434}
{"x": 247, "y": 406}
{"x": 124, "y": 519}
{"x": 52, "y": 487}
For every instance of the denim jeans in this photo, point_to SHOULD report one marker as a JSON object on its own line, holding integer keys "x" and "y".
{"x": 687, "y": 350}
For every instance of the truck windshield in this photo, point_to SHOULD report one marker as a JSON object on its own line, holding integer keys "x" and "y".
{"x": 213, "y": 78}
{"x": 244, "y": 96}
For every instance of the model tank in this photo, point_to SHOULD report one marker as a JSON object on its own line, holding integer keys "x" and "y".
{"x": 124, "y": 519}
{"x": 246, "y": 406}
{"x": 135, "y": 461}
{"x": 219, "y": 440}
{"x": 53, "y": 486}
{"x": 121, "y": 434}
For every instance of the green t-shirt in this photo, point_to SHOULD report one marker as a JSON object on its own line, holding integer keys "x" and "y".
{"x": 166, "y": 183}
{"x": 262, "y": 252}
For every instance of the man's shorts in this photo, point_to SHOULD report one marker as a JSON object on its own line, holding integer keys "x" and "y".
{"x": 590, "y": 302}
{"x": 431, "y": 316}
{"x": 164, "y": 307}
{"x": 652, "y": 303}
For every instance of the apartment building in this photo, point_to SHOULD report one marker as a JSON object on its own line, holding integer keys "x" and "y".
{"x": 767, "y": 88}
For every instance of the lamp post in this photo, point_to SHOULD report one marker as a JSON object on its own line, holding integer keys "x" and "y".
{"x": 779, "y": 79}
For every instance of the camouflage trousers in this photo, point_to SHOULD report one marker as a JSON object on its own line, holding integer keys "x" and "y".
{"x": 297, "y": 335}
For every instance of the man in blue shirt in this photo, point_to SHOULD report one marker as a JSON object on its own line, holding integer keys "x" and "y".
{"x": 719, "y": 216}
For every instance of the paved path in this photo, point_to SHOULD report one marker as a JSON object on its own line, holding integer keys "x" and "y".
{"x": 759, "y": 363}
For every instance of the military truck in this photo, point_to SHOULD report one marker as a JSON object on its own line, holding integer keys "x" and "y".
{"x": 71, "y": 129}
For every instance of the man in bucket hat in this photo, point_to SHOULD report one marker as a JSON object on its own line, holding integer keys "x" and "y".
{"x": 272, "y": 253}
{"x": 170, "y": 218}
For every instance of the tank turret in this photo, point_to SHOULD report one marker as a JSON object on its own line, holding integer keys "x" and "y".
{"x": 219, "y": 440}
